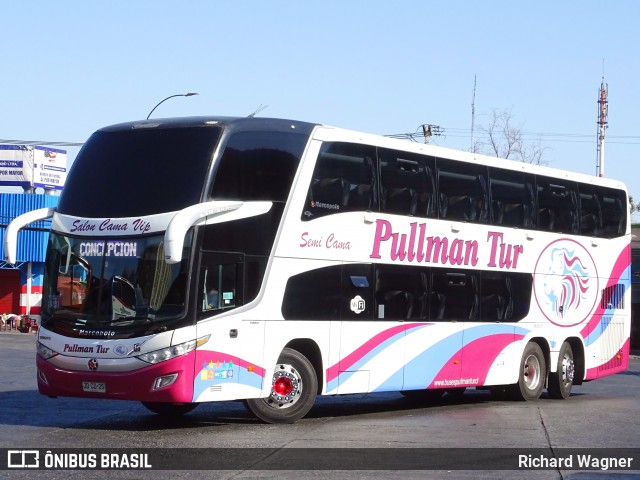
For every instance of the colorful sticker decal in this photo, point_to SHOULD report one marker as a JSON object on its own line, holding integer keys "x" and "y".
{"x": 217, "y": 368}
{"x": 565, "y": 283}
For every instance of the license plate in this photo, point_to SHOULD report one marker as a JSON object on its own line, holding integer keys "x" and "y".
{"x": 95, "y": 387}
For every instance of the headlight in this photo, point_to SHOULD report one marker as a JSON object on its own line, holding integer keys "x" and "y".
{"x": 45, "y": 352}
{"x": 174, "y": 351}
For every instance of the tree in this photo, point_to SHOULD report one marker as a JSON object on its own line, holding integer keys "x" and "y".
{"x": 505, "y": 140}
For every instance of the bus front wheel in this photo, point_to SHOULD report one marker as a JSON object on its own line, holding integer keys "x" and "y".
{"x": 294, "y": 387}
{"x": 561, "y": 381}
{"x": 531, "y": 375}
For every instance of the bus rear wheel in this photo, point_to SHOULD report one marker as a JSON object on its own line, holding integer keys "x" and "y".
{"x": 294, "y": 387}
{"x": 170, "y": 409}
{"x": 561, "y": 381}
{"x": 531, "y": 375}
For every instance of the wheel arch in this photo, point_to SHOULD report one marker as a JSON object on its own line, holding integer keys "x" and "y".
{"x": 577, "y": 347}
{"x": 310, "y": 349}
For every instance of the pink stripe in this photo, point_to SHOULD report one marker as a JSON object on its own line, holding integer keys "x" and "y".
{"x": 478, "y": 357}
{"x": 622, "y": 263}
{"x": 618, "y": 363}
{"x": 349, "y": 360}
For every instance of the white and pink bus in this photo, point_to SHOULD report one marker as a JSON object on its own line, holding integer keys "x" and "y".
{"x": 213, "y": 259}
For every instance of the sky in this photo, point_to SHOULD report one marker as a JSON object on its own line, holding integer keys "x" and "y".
{"x": 385, "y": 67}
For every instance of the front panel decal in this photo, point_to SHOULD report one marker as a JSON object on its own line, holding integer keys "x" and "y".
{"x": 215, "y": 368}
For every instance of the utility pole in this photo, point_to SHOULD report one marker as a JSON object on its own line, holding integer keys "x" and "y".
{"x": 603, "y": 114}
{"x": 429, "y": 131}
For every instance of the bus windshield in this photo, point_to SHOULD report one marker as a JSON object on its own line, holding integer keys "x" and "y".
{"x": 117, "y": 172}
{"x": 114, "y": 284}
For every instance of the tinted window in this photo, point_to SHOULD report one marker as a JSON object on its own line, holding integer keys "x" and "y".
{"x": 341, "y": 292}
{"x": 614, "y": 212}
{"x": 462, "y": 191}
{"x": 557, "y": 205}
{"x": 402, "y": 293}
{"x": 252, "y": 236}
{"x": 313, "y": 295}
{"x": 258, "y": 166}
{"x": 344, "y": 180}
{"x": 590, "y": 211}
{"x": 408, "y": 183}
{"x": 139, "y": 172}
{"x": 512, "y": 198}
{"x": 454, "y": 295}
{"x": 505, "y": 296}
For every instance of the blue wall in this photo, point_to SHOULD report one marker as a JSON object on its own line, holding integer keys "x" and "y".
{"x": 32, "y": 241}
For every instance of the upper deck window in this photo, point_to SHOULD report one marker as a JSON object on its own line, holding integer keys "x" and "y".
{"x": 344, "y": 180}
{"x": 557, "y": 205}
{"x": 408, "y": 183}
{"x": 258, "y": 165}
{"x": 462, "y": 191}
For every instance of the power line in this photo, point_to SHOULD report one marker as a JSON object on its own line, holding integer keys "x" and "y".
{"x": 41, "y": 142}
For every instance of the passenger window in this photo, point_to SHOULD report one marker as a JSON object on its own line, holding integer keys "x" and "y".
{"x": 344, "y": 180}
{"x": 512, "y": 198}
{"x": 462, "y": 191}
{"x": 614, "y": 212}
{"x": 402, "y": 293}
{"x": 408, "y": 183}
{"x": 497, "y": 297}
{"x": 454, "y": 296}
{"x": 313, "y": 295}
{"x": 590, "y": 211}
{"x": 557, "y": 205}
{"x": 505, "y": 296}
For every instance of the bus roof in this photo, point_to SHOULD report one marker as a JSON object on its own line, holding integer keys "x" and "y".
{"x": 232, "y": 123}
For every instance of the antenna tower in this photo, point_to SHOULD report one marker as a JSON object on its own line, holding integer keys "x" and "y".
{"x": 603, "y": 114}
{"x": 473, "y": 113}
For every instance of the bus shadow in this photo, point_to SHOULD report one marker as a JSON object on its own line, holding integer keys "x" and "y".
{"x": 29, "y": 408}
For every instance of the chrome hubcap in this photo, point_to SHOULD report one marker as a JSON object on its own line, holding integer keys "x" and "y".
{"x": 286, "y": 387}
{"x": 568, "y": 369}
{"x": 531, "y": 372}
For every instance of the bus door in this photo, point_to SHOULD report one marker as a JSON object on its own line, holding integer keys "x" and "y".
{"x": 486, "y": 356}
{"x": 371, "y": 349}
{"x": 222, "y": 365}
{"x": 441, "y": 360}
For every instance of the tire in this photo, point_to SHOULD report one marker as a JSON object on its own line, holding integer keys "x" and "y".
{"x": 294, "y": 387}
{"x": 170, "y": 409}
{"x": 561, "y": 381}
{"x": 531, "y": 375}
